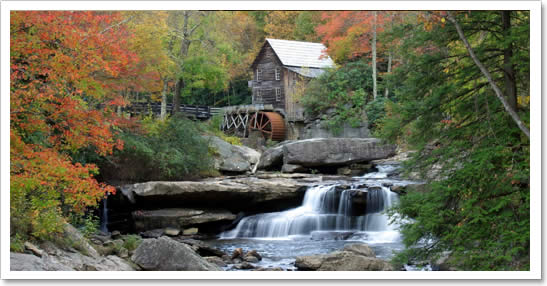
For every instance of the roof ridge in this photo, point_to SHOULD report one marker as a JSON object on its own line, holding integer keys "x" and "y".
{"x": 267, "y": 39}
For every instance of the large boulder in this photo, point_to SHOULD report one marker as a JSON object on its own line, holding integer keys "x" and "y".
{"x": 178, "y": 218}
{"x": 335, "y": 151}
{"x": 232, "y": 158}
{"x": 271, "y": 158}
{"x": 354, "y": 257}
{"x": 166, "y": 254}
{"x": 77, "y": 240}
{"x": 324, "y": 152}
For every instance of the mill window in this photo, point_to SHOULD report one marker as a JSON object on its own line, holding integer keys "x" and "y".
{"x": 278, "y": 94}
{"x": 277, "y": 74}
{"x": 258, "y": 74}
{"x": 258, "y": 97}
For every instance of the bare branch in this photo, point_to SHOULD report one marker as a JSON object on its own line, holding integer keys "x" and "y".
{"x": 486, "y": 73}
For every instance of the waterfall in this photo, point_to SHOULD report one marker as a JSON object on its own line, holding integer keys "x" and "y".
{"x": 104, "y": 216}
{"x": 324, "y": 208}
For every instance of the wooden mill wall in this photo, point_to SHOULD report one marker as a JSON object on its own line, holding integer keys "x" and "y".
{"x": 264, "y": 90}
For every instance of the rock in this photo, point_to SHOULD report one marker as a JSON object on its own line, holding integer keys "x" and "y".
{"x": 335, "y": 151}
{"x": 289, "y": 168}
{"x": 123, "y": 253}
{"x": 99, "y": 239}
{"x": 360, "y": 248}
{"x": 312, "y": 262}
{"x": 216, "y": 260}
{"x": 190, "y": 231}
{"x": 34, "y": 249}
{"x": 77, "y": 240}
{"x": 354, "y": 257}
{"x": 255, "y": 254}
{"x": 330, "y": 235}
{"x": 317, "y": 129}
{"x": 232, "y": 158}
{"x": 174, "y": 218}
{"x": 250, "y": 259}
{"x": 226, "y": 258}
{"x": 166, "y": 254}
{"x": 238, "y": 252}
{"x": 237, "y": 260}
{"x": 236, "y": 194}
{"x": 344, "y": 171}
{"x": 116, "y": 244}
{"x": 154, "y": 233}
{"x": 401, "y": 190}
{"x": 171, "y": 231}
{"x": 272, "y": 158}
{"x": 66, "y": 261}
{"x": 268, "y": 269}
{"x": 116, "y": 234}
{"x": 347, "y": 261}
{"x": 244, "y": 265}
{"x": 203, "y": 249}
{"x": 444, "y": 262}
{"x": 25, "y": 262}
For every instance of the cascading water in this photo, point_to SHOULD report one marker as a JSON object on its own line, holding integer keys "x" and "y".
{"x": 325, "y": 208}
{"x": 330, "y": 217}
{"x": 104, "y": 216}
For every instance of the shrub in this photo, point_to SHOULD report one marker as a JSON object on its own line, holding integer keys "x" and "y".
{"x": 344, "y": 91}
{"x": 212, "y": 126}
{"x": 88, "y": 224}
{"x": 131, "y": 242}
{"x": 17, "y": 243}
{"x": 170, "y": 149}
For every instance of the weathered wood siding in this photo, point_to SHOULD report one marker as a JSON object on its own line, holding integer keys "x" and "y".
{"x": 291, "y": 82}
{"x": 264, "y": 90}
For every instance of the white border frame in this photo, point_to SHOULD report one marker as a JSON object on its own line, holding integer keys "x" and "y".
{"x": 535, "y": 160}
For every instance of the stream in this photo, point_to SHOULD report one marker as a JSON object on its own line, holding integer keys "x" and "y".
{"x": 331, "y": 216}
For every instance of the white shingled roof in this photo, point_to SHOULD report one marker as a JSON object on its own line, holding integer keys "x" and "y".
{"x": 301, "y": 54}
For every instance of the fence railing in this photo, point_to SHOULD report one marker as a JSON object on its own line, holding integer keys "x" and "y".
{"x": 196, "y": 111}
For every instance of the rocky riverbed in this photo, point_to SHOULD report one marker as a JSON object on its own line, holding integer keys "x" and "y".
{"x": 176, "y": 225}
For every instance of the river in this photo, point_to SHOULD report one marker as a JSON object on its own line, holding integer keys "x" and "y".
{"x": 330, "y": 217}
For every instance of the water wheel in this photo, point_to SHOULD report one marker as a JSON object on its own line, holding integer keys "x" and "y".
{"x": 270, "y": 124}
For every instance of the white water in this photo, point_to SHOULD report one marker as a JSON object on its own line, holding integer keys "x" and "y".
{"x": 104, "y": 216}
{"x": 326, "y": 208}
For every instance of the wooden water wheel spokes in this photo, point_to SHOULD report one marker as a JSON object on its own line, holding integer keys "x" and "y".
{"x": 270, "y": 124}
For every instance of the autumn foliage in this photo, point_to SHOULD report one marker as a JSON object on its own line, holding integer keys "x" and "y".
{"x": 65, "y": 70}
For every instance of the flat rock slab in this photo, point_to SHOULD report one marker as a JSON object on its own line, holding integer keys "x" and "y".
{"x": 335, "y": 151}
{"x": 234, "y": 194}
{"x": 178, "y": 217}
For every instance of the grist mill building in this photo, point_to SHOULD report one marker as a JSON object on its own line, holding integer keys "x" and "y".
{"x": 279, "y": 69}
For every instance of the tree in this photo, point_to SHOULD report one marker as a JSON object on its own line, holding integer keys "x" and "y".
{"x": 353, "y": 34}
{"x": 476, "y": 205}
{"x": 151, "y": 42}
{"x": 508, "y": 70}
{"x": 63, "y": 66}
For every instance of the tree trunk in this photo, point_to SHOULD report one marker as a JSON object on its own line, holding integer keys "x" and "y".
{"x": 119, "y": 108}
{"x": 486, "y": 73}
{"x": 178, "y": 94}
{"x": 374, "y": 87}
{"x": 389, "y": 58}
{"x": 508, "y": 67}
{"x": 163, "y": 112}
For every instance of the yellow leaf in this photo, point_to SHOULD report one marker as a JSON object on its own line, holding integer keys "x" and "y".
{"x": 443, "y": 20}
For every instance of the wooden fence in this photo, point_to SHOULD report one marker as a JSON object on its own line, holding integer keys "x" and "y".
{"x": 192, "y": 111}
